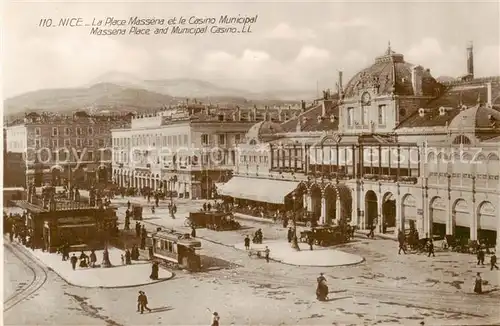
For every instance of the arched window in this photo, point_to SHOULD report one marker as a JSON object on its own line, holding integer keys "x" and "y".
{"x": 461, "y": 140}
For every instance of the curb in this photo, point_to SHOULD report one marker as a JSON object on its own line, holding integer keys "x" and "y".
{"x": 41, "y": 264}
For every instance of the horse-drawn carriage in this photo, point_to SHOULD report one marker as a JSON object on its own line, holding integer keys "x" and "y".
{"x": 218, "y": 221}
{"x": 328, "y": 235}
{"x": 462, "y": 245}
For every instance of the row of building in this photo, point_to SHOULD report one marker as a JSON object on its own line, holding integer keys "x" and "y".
{"x": 393, "y": 148}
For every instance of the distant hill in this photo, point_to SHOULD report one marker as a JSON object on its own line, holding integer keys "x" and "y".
{"x": 199, "y": 89}
{"x": 115, "y": 91}
{"x": 103, "y": 96}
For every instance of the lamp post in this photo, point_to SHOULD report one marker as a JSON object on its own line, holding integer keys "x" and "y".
{"x": 172, "y": 181}
{"x": 295, "y": 243}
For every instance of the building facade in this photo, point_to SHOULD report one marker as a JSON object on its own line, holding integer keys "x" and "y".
{"x": 60, "y": 149}
{"x": 184, "y": 150}
{"x": 394, "y": 148}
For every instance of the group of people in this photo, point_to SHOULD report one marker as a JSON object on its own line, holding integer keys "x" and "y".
{"x": 85, "y": 261}
{"x": 266, "y": 250}
{"x": 130, "y": 255}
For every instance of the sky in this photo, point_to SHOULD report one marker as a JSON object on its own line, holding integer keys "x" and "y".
{"x": 293, "y": 45}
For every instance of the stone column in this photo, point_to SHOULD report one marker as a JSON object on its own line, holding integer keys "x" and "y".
{"x": 355, "y": 207}
{"x": 380, "y": 215}
{"x": 323, "y": 209}
{"x": 473, "y": 224}
{"x": 399, "y": 211}
{"x": 498, "y": 214}
{"x": 338, "y": 209}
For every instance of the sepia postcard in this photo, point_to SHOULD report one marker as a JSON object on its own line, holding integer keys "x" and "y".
{"x": 251, "y": 163}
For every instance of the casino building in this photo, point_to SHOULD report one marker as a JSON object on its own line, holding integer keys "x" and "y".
{"x": 393, "y": 147}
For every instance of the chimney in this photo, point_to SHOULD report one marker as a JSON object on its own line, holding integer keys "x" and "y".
{"x": 488, "y": 101}
{"x": 416, "y": 80}
{"x": 470, "y": 60}
{"x": 341, "y": 87}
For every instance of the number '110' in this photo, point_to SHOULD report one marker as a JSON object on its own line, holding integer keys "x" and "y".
{"x": 45, "y": 22}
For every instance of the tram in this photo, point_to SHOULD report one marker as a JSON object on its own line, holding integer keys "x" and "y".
{"x": 177, "y": 248}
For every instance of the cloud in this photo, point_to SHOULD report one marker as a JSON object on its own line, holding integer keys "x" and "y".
{"x": 429, "y": 53}
{"x": 310, "y": 54}
{"x": 350, "y": 23}
{"x": 285, "y": 31}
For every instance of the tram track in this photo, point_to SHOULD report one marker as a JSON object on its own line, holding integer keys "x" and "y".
{"x": 38, "y": 281}
{"x": 445, "y": 301}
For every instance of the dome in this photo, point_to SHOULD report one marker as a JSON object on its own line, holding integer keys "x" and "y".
{"x": 391, "y": 75}
{"x": 260, "y": 129}
{"x": 476, "y": 117}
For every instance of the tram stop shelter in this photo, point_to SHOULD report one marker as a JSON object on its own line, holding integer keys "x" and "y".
{"x": 81, "y": 226}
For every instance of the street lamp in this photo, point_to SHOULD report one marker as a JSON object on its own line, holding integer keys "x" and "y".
{"x": 172, "y": 181}
{"x": 295, "y": 243}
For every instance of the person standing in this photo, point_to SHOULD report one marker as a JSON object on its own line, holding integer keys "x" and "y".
{"x": 431, "y": 249}
{"x": 267, "y": 252}
{"x": 73, "y": 261}
{"x": 493, "y": 261}
{"x": 154, "y": 271}
{"x": 215, "y": 319}
{"x": 247, "y": 242}
{"x": 478, "y": 284}
{"x": 128, "y": 258}
{"x": 480, "y": 257}
{"x": 144, "y": 235}
{"x": 137, "y": 229}
{"x": 93, "y": 258}
{"x": 193, "y": 231}
{"x": 289, "y": 234}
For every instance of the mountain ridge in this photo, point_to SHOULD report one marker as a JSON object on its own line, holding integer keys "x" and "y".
{"x": 124, "y": 92}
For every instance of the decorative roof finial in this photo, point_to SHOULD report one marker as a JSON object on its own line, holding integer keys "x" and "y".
{"x": 389, "y": 51}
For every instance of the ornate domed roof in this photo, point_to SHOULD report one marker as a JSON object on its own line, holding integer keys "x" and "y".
{"x": 260, "y": 129}
{"x": 476, "y": 117}
{"x": 391, "y": 75}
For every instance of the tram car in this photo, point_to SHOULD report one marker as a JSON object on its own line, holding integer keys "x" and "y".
{"x": 176, "y": 248}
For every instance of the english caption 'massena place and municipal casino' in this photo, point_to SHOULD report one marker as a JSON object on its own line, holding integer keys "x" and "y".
{"x": 392, "y": 148}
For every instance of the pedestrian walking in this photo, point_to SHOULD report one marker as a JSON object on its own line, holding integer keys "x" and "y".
{"x": 431, "y": 249}
{"x": 123, "y": 259}
{"x": 215, "y": 319}
{"x": 478, "y": 284}
{"x": 401, "y": 240}
{"x": 73, "y": 260}
{"x": 310, "y": 241}
{"x": 247, "y": 242}
{"x": 193, "y": 231}
{"x": 480, "y": 257}
{"x": 371, "y": 234}
{"x": 493, "y": 261}
{"x": 143, "y": 302}
{"x": 267, "y": 251}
